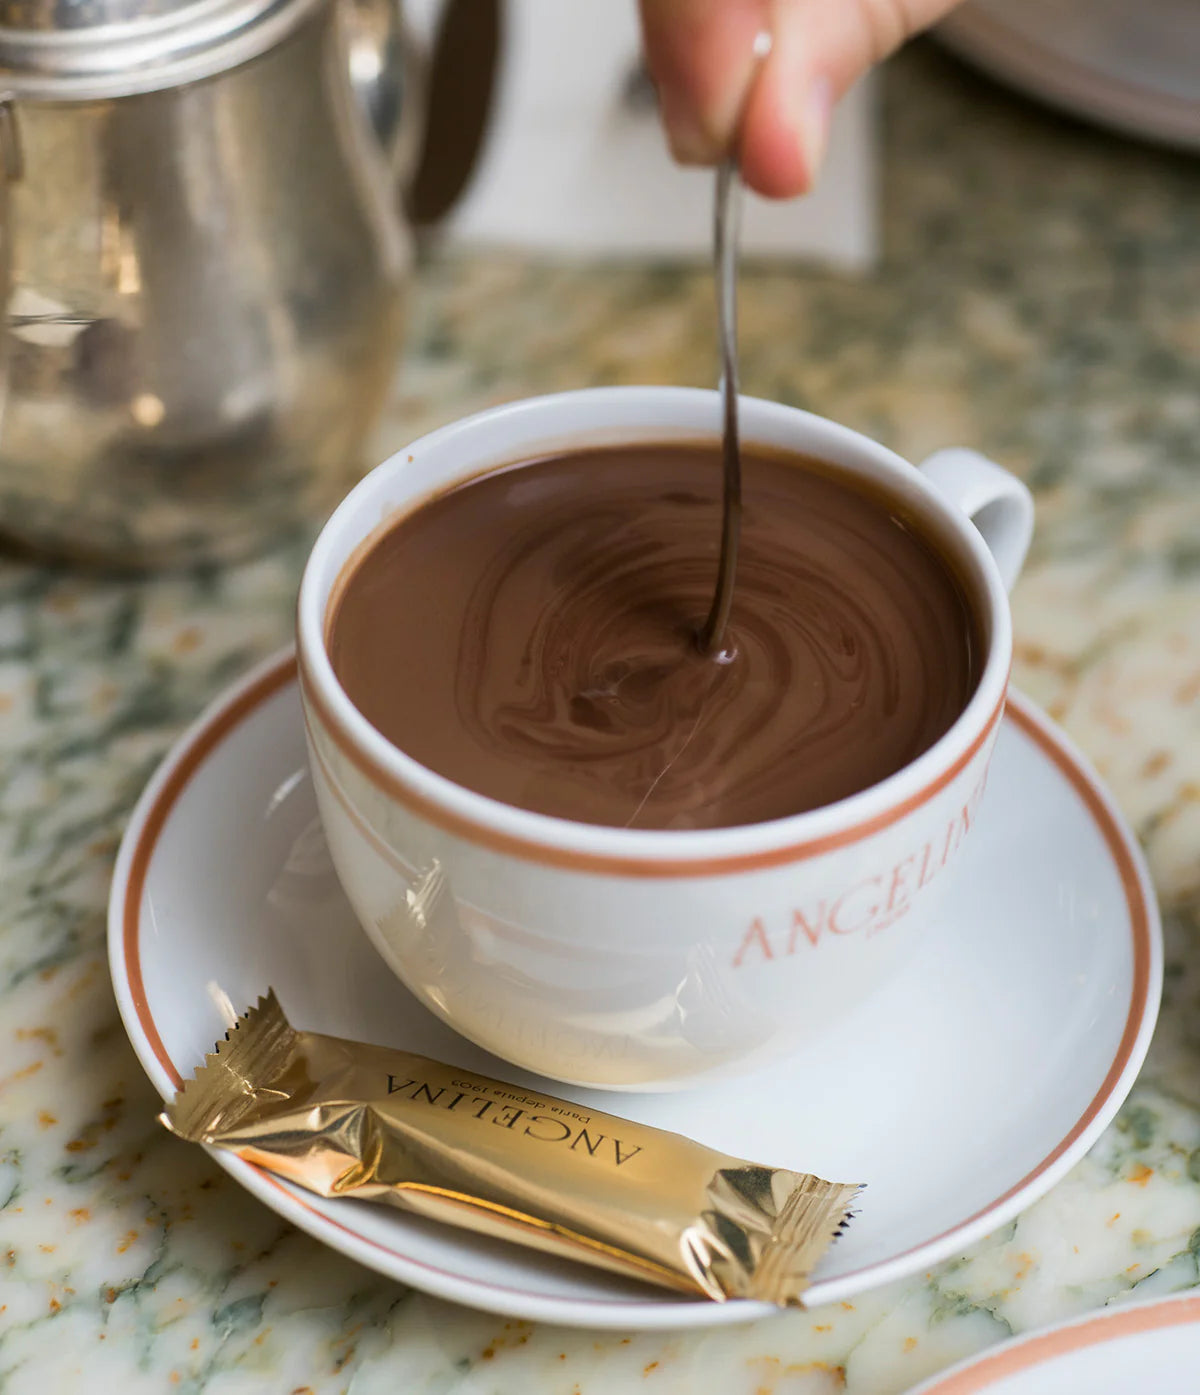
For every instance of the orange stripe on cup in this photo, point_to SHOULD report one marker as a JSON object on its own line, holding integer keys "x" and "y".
{"x": 530, "y": 850}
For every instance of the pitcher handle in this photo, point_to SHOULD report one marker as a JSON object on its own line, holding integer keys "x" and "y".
{"x": 462, "y": 79}
{"x": 429, "y": 108}
{"x": 996, "y": 501}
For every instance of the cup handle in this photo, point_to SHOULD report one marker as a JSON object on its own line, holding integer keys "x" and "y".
{"x": 997, "y": 503}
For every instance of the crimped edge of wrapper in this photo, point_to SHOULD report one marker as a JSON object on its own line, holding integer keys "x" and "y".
{"x": 220, "y": 1092}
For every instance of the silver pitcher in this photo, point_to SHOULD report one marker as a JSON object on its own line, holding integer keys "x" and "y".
{"x": 205, "y": 260}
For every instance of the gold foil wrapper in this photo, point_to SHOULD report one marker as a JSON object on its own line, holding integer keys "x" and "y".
{"x": 346, "y": 1119}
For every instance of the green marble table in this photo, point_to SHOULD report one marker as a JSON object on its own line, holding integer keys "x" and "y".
{"x": 1039, "y": 298}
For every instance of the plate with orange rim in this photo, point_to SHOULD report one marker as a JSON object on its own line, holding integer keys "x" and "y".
{"x": 1039, "y": 983}
{"x": 1152, "y": 1346}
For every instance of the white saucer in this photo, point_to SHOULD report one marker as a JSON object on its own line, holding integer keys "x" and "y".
{"x": 959, "y": 1093}
{"x": 1130, "y": 64}
{"x": 1137, "y": 1347}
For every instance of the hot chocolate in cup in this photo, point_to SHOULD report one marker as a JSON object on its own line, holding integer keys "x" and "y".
{"x": 652, "y": 957}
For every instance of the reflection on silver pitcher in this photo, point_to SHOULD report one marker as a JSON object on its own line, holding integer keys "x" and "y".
{"x": 206, "y": 265}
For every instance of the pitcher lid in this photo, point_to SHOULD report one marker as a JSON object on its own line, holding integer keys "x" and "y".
{"x": 76, "y": 49}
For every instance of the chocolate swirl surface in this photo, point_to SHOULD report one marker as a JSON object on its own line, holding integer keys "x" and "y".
{"x": 531, "y": 635}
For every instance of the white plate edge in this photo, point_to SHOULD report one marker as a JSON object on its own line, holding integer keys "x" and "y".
{"x": 1111, "y": 1315}
{"x": 1010, "y": 57}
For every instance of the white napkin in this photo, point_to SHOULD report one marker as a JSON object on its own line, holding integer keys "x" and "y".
{"x": 574, "y": 163}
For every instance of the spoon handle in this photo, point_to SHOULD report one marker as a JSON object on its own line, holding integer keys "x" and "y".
{"x": 725, "y": 258}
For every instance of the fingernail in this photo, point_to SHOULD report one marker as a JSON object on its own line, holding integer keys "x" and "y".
{"x": 689, "y": 142}
{"x": 817, "y": 109}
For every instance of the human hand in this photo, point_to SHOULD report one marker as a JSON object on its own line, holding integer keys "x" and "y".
{"x": 718, "y": 92}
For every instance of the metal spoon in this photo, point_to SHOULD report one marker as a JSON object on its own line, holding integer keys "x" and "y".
{"x": 725, "y": 252}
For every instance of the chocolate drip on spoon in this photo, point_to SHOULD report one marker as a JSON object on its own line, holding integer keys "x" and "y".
{"x": 725, "y": 246}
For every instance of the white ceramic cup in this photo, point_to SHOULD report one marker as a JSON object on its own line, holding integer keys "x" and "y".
{"x": 649, "y": 959}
